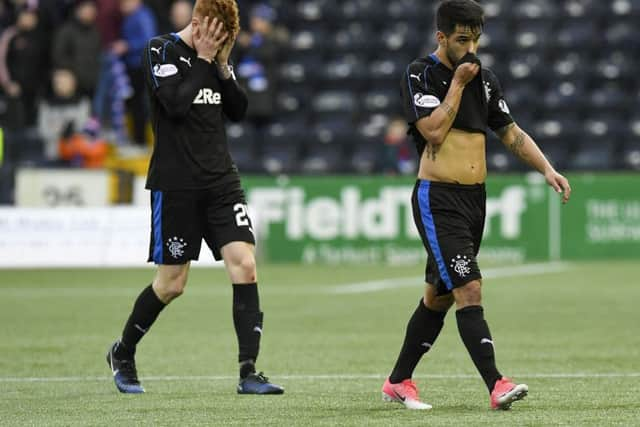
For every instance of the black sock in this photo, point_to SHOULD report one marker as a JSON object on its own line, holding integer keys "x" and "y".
{"x": 475, "y": 334}
{"x": 247, "y": 319}
{"x": 422, "y": 330}
{"x": 144, "y": 313}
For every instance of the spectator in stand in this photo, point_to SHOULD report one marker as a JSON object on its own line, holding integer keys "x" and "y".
{"x": 257, "y": 58}
{"x": 397, "y": 152}
{"x": 22, "y": 63}
{"x": 66, "y": 110}
{"x": 76, "y": 45}
{"x": 138, "y": 26}
{"x": 180, "y": 15}
{"x": 160, "y": 9}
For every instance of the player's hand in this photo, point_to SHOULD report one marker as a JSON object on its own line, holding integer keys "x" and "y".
{"x": 13, "y": 89}
{"x": 222, "y": 58}
{"x": 208, "y": 38}
{"x": 466, "y": 72}
{"x": 559, "y": 183}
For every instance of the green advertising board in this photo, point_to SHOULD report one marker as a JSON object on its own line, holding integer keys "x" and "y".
{"x": 337, "y": 220}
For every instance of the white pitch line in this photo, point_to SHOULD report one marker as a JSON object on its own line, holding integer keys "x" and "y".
{"x": 330, "y": 377}
{"x": 489, "y": 273}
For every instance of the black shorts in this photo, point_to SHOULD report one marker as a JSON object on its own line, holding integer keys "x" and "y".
{"x": 450, "y": 219}
{"x": 181, "y": 219}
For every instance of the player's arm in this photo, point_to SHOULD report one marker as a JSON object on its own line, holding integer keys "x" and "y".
{"x": 177, "y": 97}
{"x": 523, "y": 146}
{"x": 435, "y": 127}
{"x": 235, "y": 100}
{"x": 176, "y": 91}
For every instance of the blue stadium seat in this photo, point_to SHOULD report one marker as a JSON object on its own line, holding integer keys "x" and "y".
{"x": 582, "y": 8}
{"x": 293, "y": 101}
{"x": 563, "y": 96}
{"x": 343, "y": 72}
{"x": 334, "y": 103}
{"x": 593, "y": 156}
{"x": 576, "y": 34}
{"x": 622, "y": 34}
{"x": 381, "y": 100}
{"x": 241, "y": 138}
{"x": 311, "y": 39}
{"x": 569, "y": 66}
{"x": 533, "y": 35}
{"x": 610, "y": 98}
{"x": 282, "y": 147}
{"x": 626, "y": 8}
{"x": 387, "y": 71}
{"x": 630, "y": 155}
{"x": 300, "y": 70}
{"x": 543, "y": 10}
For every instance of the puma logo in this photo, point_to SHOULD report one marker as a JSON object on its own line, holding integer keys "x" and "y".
{"x": 156, "y": 50}
{"x": 415, "y": 76}
{"x": 486, "y": 341}
{"x": 426, "y": 345}
{"x": 187, "y": 60}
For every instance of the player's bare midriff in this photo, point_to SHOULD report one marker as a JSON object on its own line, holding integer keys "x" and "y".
{"x": 460, "y": 159}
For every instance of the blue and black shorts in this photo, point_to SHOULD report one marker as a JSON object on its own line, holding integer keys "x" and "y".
{"x": 181, "y": 219}
{"x": 450, "y": 219}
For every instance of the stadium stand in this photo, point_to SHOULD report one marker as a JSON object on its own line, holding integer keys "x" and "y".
{"x": 568, "y": 69}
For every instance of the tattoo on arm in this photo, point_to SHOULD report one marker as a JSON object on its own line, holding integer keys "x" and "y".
{"x": 449, "y": 110}
{"x": 502, "y": 132}
{"x": 431, "y": 150}
{"x": 517, "y": 144}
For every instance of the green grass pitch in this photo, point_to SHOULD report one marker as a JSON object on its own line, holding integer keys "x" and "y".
{"x": 572, "y": 335}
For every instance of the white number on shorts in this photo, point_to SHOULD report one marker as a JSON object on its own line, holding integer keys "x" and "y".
{"x": 241, "y": 215}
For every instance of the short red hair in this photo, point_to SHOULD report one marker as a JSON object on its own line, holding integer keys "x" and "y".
{"x": 225, "y": 10}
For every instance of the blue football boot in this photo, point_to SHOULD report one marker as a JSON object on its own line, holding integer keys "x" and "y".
{"x": 258, "y": 384}
{"x": 124, "y": 372}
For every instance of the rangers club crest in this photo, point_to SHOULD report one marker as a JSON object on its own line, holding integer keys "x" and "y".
{"x": 460, "y": 265}
{"x": 176, "y": 246}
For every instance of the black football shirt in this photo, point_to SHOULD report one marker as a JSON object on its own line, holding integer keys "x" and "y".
{"x": 424, "y": 86}
{"x": 189, "y": 105}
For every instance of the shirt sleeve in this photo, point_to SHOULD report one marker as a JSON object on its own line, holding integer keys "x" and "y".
{"x": 499, "y": 113}
{"x": 234, "y": 99}
{"x": 174, "y": 89}
{"x": 419, "y": 93}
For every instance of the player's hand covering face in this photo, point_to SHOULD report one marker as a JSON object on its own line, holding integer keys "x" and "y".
{"x": 208, "y": 38}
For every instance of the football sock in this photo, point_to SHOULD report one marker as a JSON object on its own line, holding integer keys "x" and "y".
{"x": 475, "y": 335}
{"x": 145, "y": 311}
{"x": 247, "y": 320}
{"x": 422, "y": 330}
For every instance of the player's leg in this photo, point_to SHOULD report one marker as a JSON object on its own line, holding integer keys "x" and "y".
{"x": 239, "y": 260}
{"x": 424, "y": 325}
{"x": 422, "y": 331}
{"x": 175, "y": 240}
{"x": 477, "y": 338}
{"x": 230, "y": 236}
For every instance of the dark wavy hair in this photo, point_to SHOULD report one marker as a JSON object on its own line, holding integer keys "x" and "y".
{"x": 467, "y": 13}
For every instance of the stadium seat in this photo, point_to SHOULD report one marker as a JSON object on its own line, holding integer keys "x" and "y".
{"x": 242, "y": 142}
{"x": 630, "y": 155}
{"x": 576, "y": 33}
{"x": 582, "y": 8}
{"x": 343, "y": 72}
{"x": 282, "y": 147}
{"x": 593, "y": 156}
{"x": 543, "y": 10}
{"x": 334, "y": 103}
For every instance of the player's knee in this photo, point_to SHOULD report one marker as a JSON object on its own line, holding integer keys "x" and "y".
{"x": 440, "y": 303}
{"x": 245, "y": 267}
{"x": 469, "y": 294}
{"x": 170, "y": 284}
